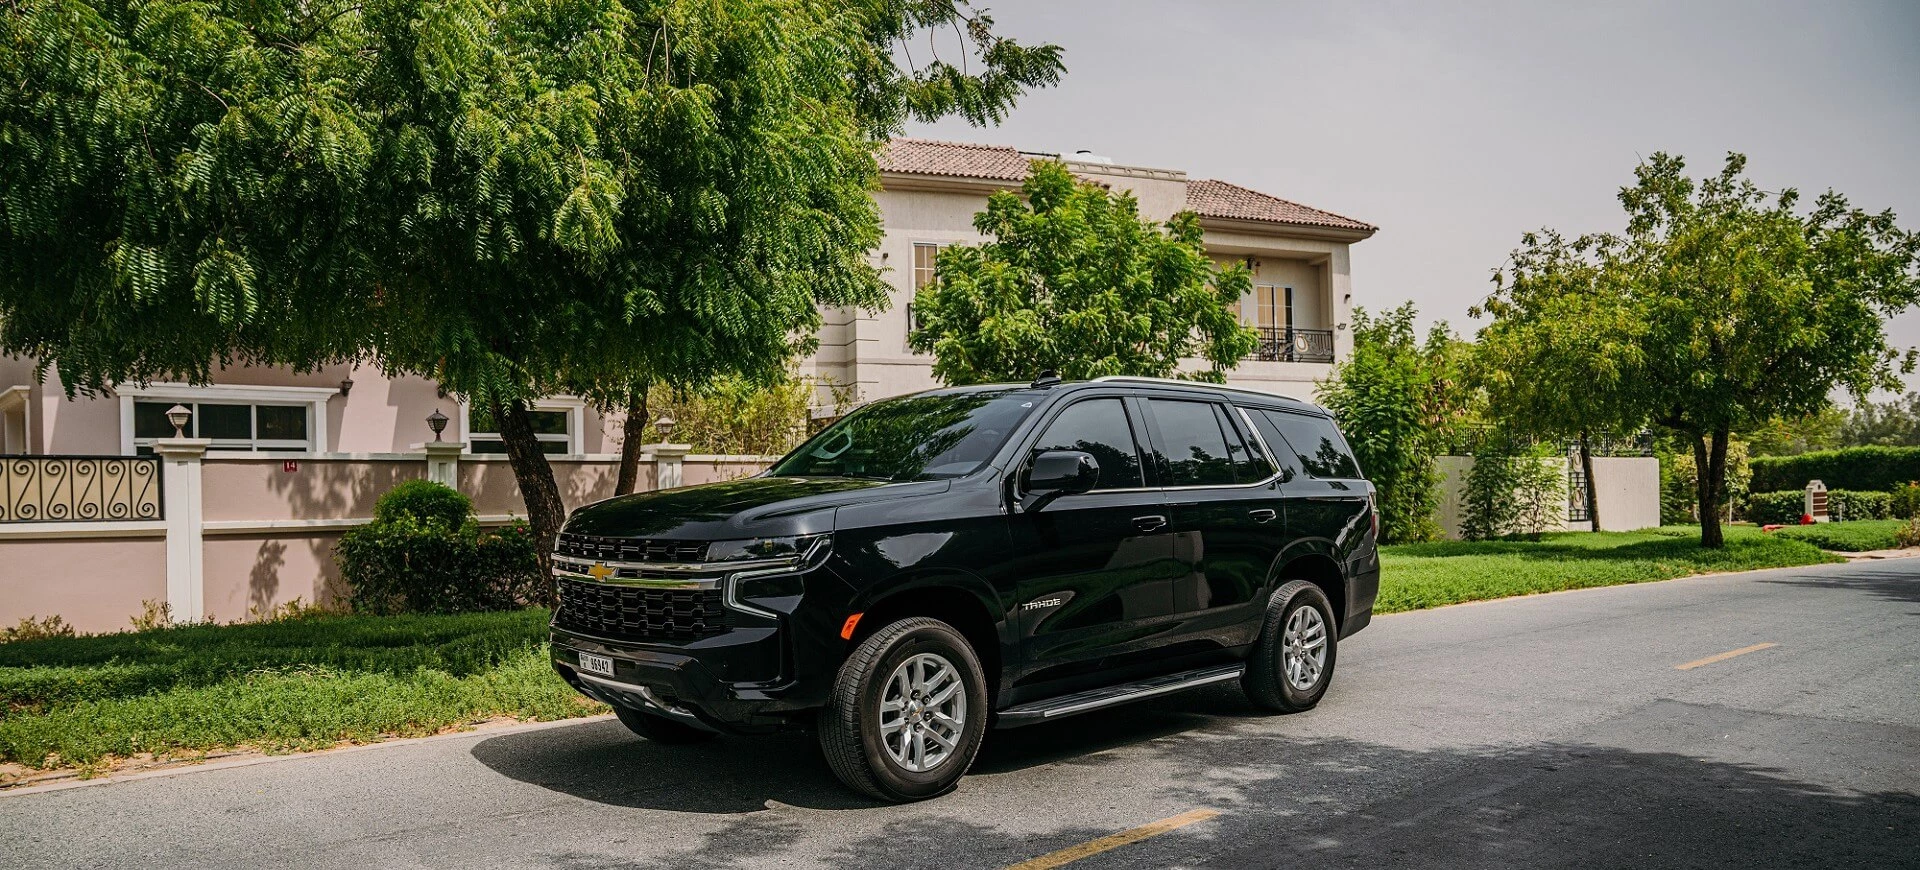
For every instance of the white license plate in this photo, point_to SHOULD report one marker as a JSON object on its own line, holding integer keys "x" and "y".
{"x": 596, "y": 664}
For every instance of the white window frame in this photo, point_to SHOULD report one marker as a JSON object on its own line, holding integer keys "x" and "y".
{"x": 575, "y": 407}
{"x": 314, "y": 399}
{"x": 14, "y": 405}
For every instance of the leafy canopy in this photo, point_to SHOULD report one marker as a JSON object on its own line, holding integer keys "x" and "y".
{"x": 511, "y": 198}
{"x": 1075, "y": 281}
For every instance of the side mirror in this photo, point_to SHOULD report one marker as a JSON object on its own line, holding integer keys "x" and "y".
{"x": 1059, "y": 472}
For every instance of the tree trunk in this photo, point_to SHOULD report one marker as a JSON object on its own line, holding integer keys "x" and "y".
{"x": 1712, "y": 462}
{"x": 1593, "y": 494}
{"x": 545, "y": 511}
{"x": 635, "y": 427}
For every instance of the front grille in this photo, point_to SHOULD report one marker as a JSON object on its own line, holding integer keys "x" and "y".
{"x": 630, "y": 549}
{"x": 633, "y": 613}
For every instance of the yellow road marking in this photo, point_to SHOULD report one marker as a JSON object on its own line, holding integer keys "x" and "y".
{"x": 1114, "y": 841}
{"x": 1723, "y": 656}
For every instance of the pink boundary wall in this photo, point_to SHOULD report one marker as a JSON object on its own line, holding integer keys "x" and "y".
{"x": 269, "y": 533}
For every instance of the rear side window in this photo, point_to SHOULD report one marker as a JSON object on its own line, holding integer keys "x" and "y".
{"x": 1249, "y": 464}
{"x": 1192, "y": 449}
{"x": 1097, "y": 427}
{"x": 1283, "y": 455}
{"x": 1316, "y": 444}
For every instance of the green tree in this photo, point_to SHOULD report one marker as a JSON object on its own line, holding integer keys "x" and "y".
{"x": 1555, "y": 361}
{"x": 514, "y": 199}
{"x": 1075, "y": 281}
{"x": 1399, "y": 401}
{"x": 1728, "y": 307}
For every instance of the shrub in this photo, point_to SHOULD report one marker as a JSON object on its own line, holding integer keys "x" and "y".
{"x": 1511, "y": 493}
{"x": 1768, "y": 508}
{"x": 1905, "y": 502}
{"x": 36, "y": 628}
{"x": 411, "y": 560}
{"x": 1908, "y": 535}
{"x": 1849, "y": 505}
{"x": 424, "y": 500}
{"x": 1879, "y": 469}
{"x": 1786, "y": 507}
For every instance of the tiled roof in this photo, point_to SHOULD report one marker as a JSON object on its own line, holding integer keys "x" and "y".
{"x": 931, "y": 157}
{"x": 1210, "y": 198}
{"x": 1205, "y": 197}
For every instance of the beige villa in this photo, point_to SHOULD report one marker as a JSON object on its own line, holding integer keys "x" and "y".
{"x": 284, "y": 462}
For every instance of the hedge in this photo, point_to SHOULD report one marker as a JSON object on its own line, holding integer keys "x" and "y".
{"x": 1785, "y": 507}
{"x": 1875, "y": 469}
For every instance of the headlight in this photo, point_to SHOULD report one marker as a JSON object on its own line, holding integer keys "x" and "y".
{"x": 763, "y": 549}
{"x": 764, "y": 568}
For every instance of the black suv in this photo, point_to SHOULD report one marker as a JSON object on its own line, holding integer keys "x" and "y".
{"x": 937, "y": 564}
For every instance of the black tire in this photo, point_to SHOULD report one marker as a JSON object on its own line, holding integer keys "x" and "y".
{"x": 1266, "y": 679}
{"x": 850, "y": 728}
{"x": 660, "y": 729}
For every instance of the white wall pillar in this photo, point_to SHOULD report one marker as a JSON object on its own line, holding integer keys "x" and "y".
{"x": 180, "y": 487}
{"x": 667, "y": 464}
{"x": 443, "y": 462}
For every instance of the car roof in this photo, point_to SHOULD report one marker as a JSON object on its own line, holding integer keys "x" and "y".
{"x": 1238, "y": 395}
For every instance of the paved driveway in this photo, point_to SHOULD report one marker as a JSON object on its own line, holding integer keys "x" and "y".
{"x": 1556, "y": 730}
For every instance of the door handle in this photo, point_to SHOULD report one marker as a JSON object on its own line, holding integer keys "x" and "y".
{"x": 1263, "y": 515}
{"x": 1150, "y": 523}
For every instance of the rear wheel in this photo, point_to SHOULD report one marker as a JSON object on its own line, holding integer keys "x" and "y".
{"x": 1292, "y": 662}
{"x": 908, "y": 712}
{"x": 660, "y": 729}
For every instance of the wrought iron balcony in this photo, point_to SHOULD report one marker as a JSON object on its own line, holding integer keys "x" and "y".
{"x": 38, "y": 489}
{"x": 1283, "y": 344}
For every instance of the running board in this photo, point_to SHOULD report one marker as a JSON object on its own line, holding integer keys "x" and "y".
{"x": 1108, "y": 696}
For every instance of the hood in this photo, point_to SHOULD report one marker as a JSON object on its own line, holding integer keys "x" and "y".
{"x": 748, "y": 507}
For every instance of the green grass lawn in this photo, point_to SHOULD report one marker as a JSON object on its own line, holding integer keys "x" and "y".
{"x": 1415, "y": 576}
{"x": 1857, "y": 536}
{"x": 298, "y": 684}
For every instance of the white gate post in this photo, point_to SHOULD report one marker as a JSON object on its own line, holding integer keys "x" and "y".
{"x": 443, "y": 462}
{"x": 667, "y": 464}
{"x": 180, "y": 488}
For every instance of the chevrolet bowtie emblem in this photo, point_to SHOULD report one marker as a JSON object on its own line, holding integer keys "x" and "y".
{"x": 600, "y": 571}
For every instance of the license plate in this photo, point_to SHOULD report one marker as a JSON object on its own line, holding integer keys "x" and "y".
{"x": 596, "y": 664}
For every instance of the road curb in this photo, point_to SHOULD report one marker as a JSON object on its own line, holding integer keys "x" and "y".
{"x": 251, "y": 760}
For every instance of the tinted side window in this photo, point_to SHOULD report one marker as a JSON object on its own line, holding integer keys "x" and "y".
{"x": 1321, "y": 450}
{"x": 1283, "y": 455}
{"x": 1098, "y": 427}
{"x": 1192, "y": 452}
{"x": 1249, "y": 464}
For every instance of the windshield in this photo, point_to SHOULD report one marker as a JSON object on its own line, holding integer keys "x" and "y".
{"x": 912, "y": 438}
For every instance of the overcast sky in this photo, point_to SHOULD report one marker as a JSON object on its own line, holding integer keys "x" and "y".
{"x": 1456, "y": 127}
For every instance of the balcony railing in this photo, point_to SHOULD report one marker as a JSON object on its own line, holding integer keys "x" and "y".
{"x": 66, "y": 489}
{"x": 1284, "y": 344}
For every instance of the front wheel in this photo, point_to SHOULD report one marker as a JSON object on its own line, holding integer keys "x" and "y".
{"x": 1292, "y": 662}
{"x": 908, "y": 711}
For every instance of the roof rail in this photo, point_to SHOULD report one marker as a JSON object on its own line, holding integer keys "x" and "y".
{"x": 1176, "y": 382}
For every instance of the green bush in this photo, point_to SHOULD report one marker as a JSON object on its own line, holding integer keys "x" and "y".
{"x": 424, "y": 500}
{"x": 1905, "y": 502}
{"x": 411, "y": 559}
{"x": 1511, "y": 493}
{"x": 1849, "y": 505}
{"x": 1876, "y": 469}
{"x": 1908, "y": 535}
{"x": 1786, "y": 507}
{"x": 1768, "y": 508}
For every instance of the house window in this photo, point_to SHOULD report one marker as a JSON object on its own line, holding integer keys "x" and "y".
{"x": 553, "y": 428}
{"x": 1273, "y": 306}
{"x": 924, "y": 254}
{"x": 230, "y": 425}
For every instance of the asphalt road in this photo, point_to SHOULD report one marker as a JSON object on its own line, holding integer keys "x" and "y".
{"x": 1547, "y": 731}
